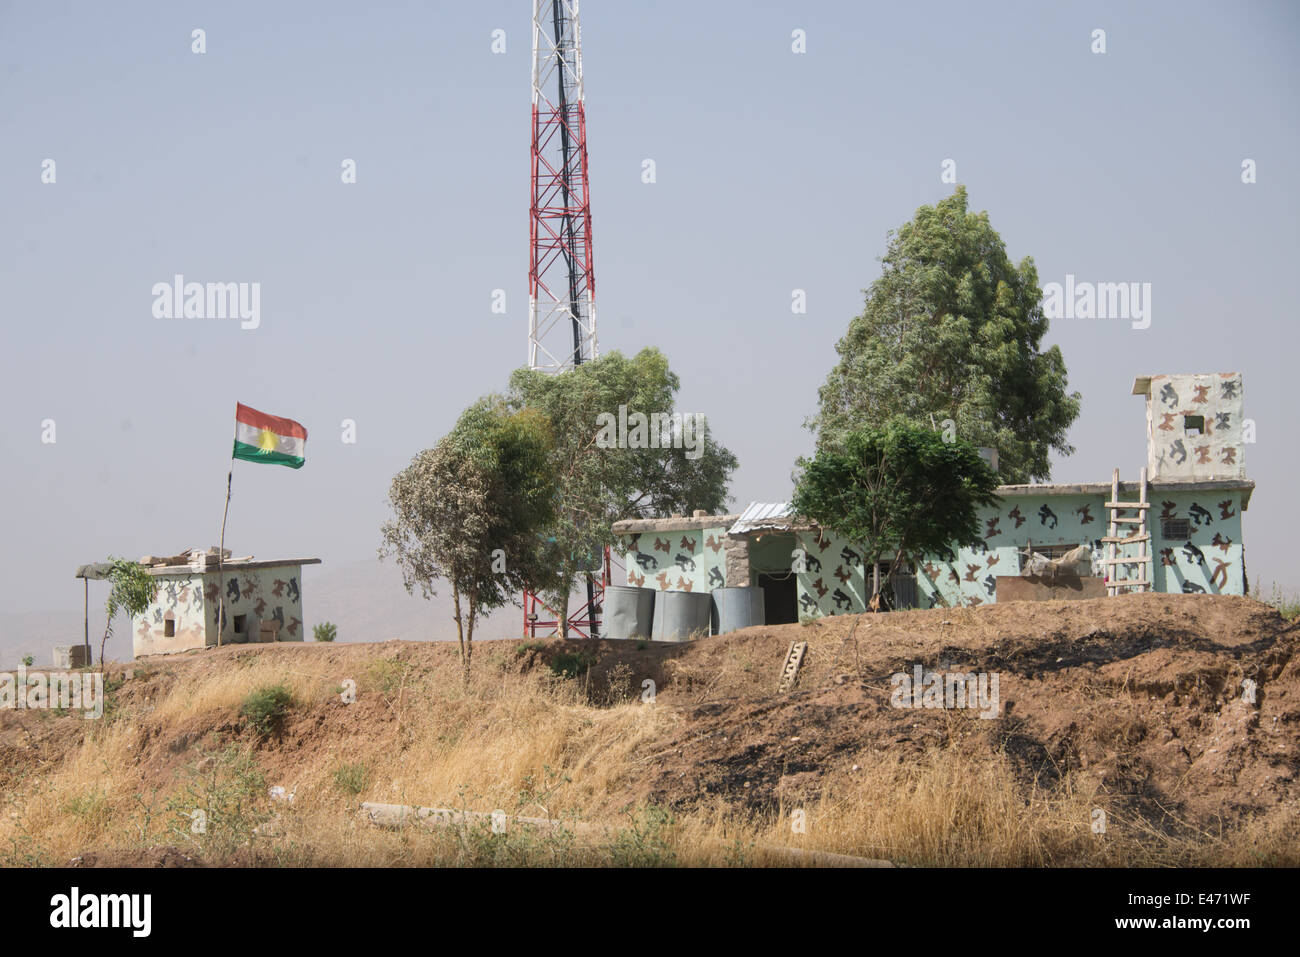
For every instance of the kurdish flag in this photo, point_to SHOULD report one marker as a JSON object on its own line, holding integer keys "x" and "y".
{"x": 268, "y": 438}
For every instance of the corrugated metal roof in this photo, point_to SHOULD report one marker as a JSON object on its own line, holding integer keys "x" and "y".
{"x": 762, "y": 515}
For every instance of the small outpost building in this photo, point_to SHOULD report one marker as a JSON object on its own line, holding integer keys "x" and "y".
{"x": 263, "y": 602}
{"x": 1181, "y": 531}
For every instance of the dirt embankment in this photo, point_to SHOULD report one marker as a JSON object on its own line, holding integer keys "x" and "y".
{"x": 1146, "y": 695}
{"x": 1143, "y": 699}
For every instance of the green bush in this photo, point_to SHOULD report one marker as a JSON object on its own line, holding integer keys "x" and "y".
{"x": 646, "y": 841}
{"x": 265, "y": 708}
{"x": 352, "y": 778}
{"x": 28, "y": 660}
{"x": 222, "y": 804}
{"x": 325, "y": 631}
{"x": 570, "y": 664}
{"x": 1288, "y": 606}
{"x": 386, "y": 675}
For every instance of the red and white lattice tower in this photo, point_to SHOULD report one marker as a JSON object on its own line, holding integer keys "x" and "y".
{"x": 561, "y": 277}
{"x": 561, "y": 280}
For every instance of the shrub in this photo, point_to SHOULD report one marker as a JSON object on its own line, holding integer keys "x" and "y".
{"x": 646, "y": 841}
{"x": 352, "y": 778}
{"x": 618, "y": 684}
{"x": 1288, "y": 607}
{"x": 28, "y": 660}
{"x": 265, "y": 708}
{"x": 570, "y": 664}
{"x": 325, "y": 631}
{"x": 386, "y": 675}
{"x": 221, "y": 806}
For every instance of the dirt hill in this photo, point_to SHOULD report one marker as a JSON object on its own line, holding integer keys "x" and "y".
{"x": 1125, "y": 734}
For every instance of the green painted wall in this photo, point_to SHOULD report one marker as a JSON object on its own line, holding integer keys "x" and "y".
{"x": 831, "y": 578}
{"x": 683, "y": 560}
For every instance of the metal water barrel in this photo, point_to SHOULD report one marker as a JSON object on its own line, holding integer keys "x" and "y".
{"x": 737, "y": 608}
{"x": 628, "y": 611}
{"x": 681, "y": 614}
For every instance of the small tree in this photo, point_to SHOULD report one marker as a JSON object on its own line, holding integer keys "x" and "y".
{"x": 473, "y": 510}
{"x": 131, "y": 589}
{"x": 899, "y": 491}
{"x": 599, "y": 484}
{"x": 28, "y": 660}
{"x": 325, "y": 631}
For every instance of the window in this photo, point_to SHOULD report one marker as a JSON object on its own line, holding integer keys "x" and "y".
{"x": 241, "y": 622}
{"x": 1194, "y": 424}
{"x": 1053, "y": 551}
{"x": 169, "y": 628}
{"x": 1175, "y": 529}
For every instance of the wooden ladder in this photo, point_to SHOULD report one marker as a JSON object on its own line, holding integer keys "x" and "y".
{"x": 790, "y": 667}
{"x": 1115, "y": 541}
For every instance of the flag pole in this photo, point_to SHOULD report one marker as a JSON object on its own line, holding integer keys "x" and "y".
{"x": 221, "y": 554}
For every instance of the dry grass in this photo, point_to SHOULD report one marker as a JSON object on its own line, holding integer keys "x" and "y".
{"x": 529, "y": 744}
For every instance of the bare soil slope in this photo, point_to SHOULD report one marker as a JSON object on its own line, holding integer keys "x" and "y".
{"x": 1137, "y": 703}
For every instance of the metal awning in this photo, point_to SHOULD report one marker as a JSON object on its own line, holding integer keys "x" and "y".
{"x": 762, "y": 515}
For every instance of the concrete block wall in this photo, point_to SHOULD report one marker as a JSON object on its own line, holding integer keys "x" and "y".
{"x": 189, "y": 598}
{"x": 683, "y": 559}
{"x": 834, "y": 579}
{"x": 1215, "y": 451}
{"x": 180, "y": 599}
{"x": 1210, "y": 559}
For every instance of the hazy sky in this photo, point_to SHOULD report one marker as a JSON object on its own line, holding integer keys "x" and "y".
{"x": 776, "y": 171}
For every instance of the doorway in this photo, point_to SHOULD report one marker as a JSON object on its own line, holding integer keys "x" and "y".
{"x": 780, "y": 601}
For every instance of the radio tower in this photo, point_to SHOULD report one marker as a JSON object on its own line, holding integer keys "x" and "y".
{"x": 561, "y": 282}
{"x": 561, "y": 278}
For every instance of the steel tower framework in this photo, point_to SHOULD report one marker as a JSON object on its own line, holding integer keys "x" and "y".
{"x": 561, "y": 278}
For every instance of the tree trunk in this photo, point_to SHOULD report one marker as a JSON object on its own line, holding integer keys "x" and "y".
{"x": 469, "y": 635}
{"x": 108, "y": 627}
{"x": 460, "y": 633}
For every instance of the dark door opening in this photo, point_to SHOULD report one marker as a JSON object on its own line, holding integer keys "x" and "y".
{"x": 780, "y": 602}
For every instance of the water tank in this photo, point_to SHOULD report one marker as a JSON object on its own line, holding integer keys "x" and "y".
{"x": 736, "y": 608}
{"x": 681, "y": 615}
{"x": 628, "y": 611}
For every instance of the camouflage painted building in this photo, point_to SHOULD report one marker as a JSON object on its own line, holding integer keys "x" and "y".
{"x": 184, "y": 613}
{"x": 1197, "y": 489}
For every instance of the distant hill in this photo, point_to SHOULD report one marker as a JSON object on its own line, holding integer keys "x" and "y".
{"x": 36, "y": 633}
{"x": 368, "y": 602}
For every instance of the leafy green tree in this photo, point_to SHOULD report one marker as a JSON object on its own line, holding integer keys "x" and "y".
{"x": 899, "y": 492}
{"x": 472, "y": 510}
{"x": 29, "y": 660}
{"x": 598, "y": 484}
{"x": 325, "y": 631}
{"x": 131, "y": 589}
{"x": 952, "y": 330}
